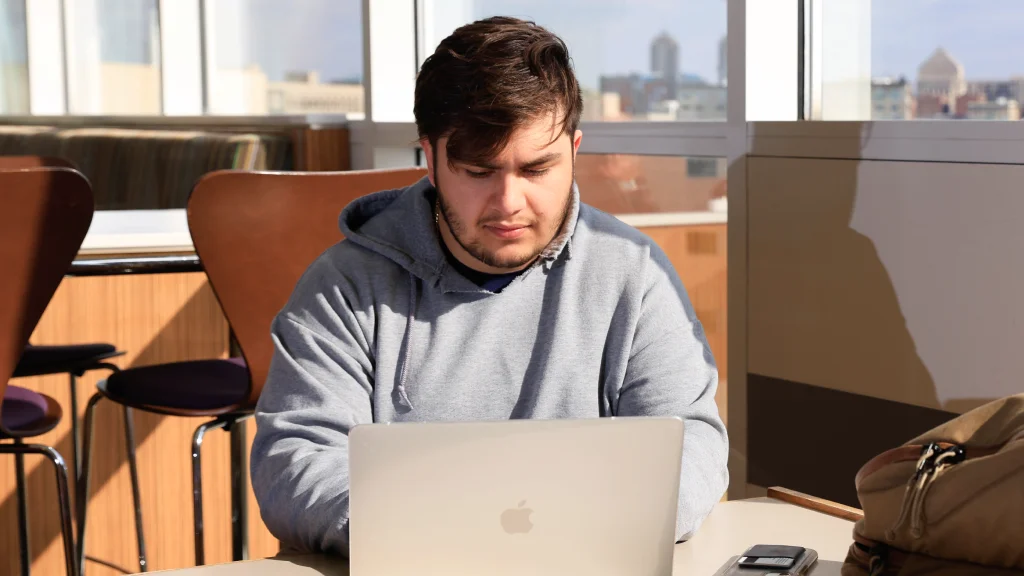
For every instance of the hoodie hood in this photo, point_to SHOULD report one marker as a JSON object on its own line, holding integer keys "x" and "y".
{"x": 399, "y": 225}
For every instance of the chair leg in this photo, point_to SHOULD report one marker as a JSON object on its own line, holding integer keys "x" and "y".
{"x": 197, "y": 484}
{"x": 133, "y": 471}
{"x": 67, "y": 530}
{"x": 239, "y": 492}
{"x": 76, "y": 439}
{"x": 82, "y": 486}
{"x": 24, "y": 546}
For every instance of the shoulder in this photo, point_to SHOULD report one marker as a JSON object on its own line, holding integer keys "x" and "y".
{"x": 608, "y": 244}
{"x": 345, "y": 274}
{"x": 606, "y": 236}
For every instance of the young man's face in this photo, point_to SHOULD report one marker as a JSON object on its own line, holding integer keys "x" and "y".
{"x": 498, "y": 217}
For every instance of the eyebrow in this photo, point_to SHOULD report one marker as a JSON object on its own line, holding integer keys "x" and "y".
{"x": 542, "y": 160}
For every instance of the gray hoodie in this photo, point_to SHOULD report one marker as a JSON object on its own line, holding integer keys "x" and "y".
{"x": 382, "y": 329}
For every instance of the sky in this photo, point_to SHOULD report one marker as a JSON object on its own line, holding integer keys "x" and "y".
{"x": 604, "y": 36}
{"x": 986, "y": 36}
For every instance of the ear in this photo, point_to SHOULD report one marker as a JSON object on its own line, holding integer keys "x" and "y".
{"x": 428, "y": 152}
{"x": 576, "y": 139}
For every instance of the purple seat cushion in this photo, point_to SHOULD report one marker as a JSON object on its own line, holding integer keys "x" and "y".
{"x": 193, "y": 385}
{"x": 36, "y": 360}
{"x": 21, "y": 408}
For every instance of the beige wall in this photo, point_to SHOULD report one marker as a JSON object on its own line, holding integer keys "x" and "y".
{"x": 882, "y": 298}
{"x": 897, "y": 280}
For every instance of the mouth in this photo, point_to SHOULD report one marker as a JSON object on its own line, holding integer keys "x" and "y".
{"x": 507, "y": 231}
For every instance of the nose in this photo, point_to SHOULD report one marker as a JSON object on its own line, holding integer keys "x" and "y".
{"x": 510, "y": 196}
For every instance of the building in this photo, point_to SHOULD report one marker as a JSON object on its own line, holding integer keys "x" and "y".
{"x": 702, "y": 102}
{"x": 1011, "y": 89}
{"x": 238, "y": 91}
{"x": 602, "y": 106}
{"x": 664, "y": 111}
{"x": 303, "y": 93}
{"x": 630, "y": 91}
{"x": 693, "y": 103}
{"x": 932, "y": 106}
{"x": 665, "y": 61}
{"x": 1002, "y": 109}
{"x": 891, "y": 99}
{"x": 964, "y": 101}
{"x": 657, "y": 89}
{"x": 941, "y": 75}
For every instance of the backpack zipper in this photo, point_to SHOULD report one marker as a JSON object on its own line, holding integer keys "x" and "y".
{"x": 935, "y": 459}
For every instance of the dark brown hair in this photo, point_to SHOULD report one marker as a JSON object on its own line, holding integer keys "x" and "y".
{"x": 490, "y": 78}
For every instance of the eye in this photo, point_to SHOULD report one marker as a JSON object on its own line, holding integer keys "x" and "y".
{"x": 534, "y": 173}
{"x": 478, "y": 174}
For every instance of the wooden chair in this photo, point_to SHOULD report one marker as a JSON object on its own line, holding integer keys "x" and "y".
{"x": 255, "y": 233}
{"x": 23, "y": 162}
{"x": 44, "y": 216}
{"x": 71, "y": 359}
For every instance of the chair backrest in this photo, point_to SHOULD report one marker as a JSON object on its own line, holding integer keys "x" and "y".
{"x": 21, "y": 162}
{"x": 44, "y": 216}
{"x": 257, "y": 232}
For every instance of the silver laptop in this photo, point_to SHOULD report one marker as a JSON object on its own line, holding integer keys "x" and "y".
{"x": 540, "y": 497}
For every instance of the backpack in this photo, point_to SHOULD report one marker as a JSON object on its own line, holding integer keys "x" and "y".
{"x": 949, "y": 502}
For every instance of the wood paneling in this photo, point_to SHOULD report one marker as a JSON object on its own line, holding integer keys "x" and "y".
{"x": 155, "y": 318}
{"x": 321, "y": 149}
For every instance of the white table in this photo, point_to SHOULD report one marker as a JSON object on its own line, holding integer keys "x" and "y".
{"x": 150, "y": 231}
{"x": 732, "y": 528}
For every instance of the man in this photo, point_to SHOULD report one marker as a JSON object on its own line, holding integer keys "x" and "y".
{"x": 485, "y": 291}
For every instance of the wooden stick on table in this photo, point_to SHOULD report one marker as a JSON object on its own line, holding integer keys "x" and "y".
{"x": 817, "y": 504}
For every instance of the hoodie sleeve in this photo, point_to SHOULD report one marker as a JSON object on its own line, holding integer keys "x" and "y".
{"x": 671, "y": 372}
{"x": 319, "y": 387}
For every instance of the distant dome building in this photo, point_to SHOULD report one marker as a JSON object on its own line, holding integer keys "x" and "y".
{"x": 941, "y": 75}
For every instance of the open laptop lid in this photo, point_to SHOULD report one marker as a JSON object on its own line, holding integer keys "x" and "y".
{"x": 592, "y": 497}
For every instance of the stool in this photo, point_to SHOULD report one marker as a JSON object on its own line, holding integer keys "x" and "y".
{"x": 25, "y": 414}
{"x": 73, "y": 360}
{"x": 211, "y": 388}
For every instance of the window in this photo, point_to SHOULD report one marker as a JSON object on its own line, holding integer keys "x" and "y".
{"x": 113, "y": 57}
{"x": 273, "y": 57}
{"x": 929, "y": 59}
{"x": 13, "y": 58}
{"x": 631, "y": 184}
{"x": 643, "y": 60}
{"x": 684, "y": 215}
{"x": 705, "y": 168}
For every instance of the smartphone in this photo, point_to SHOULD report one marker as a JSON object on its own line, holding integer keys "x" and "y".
{"x": 767, "y": 560}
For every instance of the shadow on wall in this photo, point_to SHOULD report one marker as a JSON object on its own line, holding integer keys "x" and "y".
{"x": 827, "y": 340}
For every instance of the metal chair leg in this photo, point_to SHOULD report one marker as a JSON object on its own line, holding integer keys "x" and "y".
{"x": 82, "y": 486}
{"x": 239, "y": 492}
{"x": 76, "y": 439}
{"x": 133, "y": 471}
{"x": 24, "y": 546}
{"x": 197, "y": 483}
{"x": 67, "y": 530}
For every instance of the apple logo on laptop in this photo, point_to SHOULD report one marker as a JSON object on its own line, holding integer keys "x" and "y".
{"x": 517, "y": 520}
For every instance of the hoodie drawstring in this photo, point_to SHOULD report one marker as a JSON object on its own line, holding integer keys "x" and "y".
{"x": 399, "y": 395}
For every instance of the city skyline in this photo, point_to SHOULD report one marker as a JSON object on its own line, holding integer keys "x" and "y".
{"x": 607, "y": 38}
